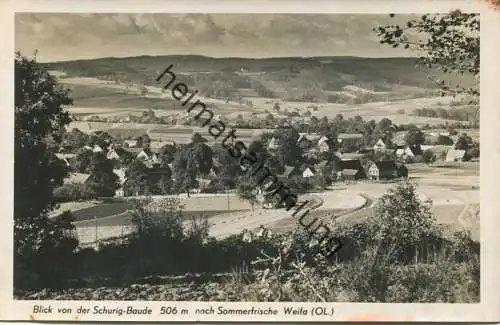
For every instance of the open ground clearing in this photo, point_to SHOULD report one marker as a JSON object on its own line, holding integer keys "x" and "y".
{"x": 115, "y": 98}
{"x": 454, "y": 200}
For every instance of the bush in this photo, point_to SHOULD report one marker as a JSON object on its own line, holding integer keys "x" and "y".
{"x": 428, "y": 157}
{"x": 74, "y": 192}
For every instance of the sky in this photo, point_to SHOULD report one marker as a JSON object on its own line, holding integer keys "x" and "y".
{"x": 65, "y": 36}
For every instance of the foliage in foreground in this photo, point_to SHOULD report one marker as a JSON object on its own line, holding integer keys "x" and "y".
{"x": 400, "y": 255}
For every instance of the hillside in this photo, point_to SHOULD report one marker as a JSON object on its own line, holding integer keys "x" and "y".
{"x": 321, "y": 79}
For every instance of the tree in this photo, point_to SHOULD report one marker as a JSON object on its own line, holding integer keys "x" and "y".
{"x": 414, "y": 136}
{"x": 167, "y": 154}
{"x": 402, "y": 222}
{"x": 197, "y": 138}
{"x": 464, "y": 142}
{"x": 428, "y": 156}
{"x": 444, "y": 140}
{"x": 39, "y": 243}
{"x": 143, "y": 141}
{"x": 75, "y": 139}
{"x": 449, "y": 42}
{"x": 247, "y": 191}
{"x": 289, "y": 152}
{"x": 82, "y": 160}
{"x": 137, "y": 182}
{"x": 102, "y": 177}
{"x": 384, "y": 130}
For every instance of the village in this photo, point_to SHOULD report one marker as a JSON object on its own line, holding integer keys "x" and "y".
{"x": 309, "y": 163}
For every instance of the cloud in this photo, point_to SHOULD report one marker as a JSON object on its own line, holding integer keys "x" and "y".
{"x": 63, "y": 36}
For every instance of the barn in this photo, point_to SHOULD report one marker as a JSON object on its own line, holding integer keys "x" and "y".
{"x": 350, "y": 174}
{"x": 383, "y": 170}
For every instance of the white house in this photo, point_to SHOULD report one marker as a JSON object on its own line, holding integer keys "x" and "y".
{"x": 130, "y": 143}
{"x": 97, "y": 149}
{"x": 273, "y": 144}
{"x": 113, "y": 155}
{"x": 87, "y": 147}
{"x": 307, "y": 173}
{"x": 155, "y": 160}
{"x": 323, "y": 147}
{"x": 455, "y": 155}
{"x": 348, "y": 136}
{"x": 308, "y": 136}
{"x": 400, "y": 152}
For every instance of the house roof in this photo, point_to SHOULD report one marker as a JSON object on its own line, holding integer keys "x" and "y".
{"x": 386, "y": 165}
{"x": 416, "y": 150}
{"x": 65, "y": 155}
{"x": 130, "y": 142}
{"x": 380, "y": 142}
{"x": 322, "y": 140}
{"x": 455, "y": 155}
{"x": 322, "y": 164}
{"x": 309, "y": 171}
{"x": 76, "y": 178}
{"x": 308, "y": 136}
{"x": 351, "y": 164}
{"x": 97, "y": 149}
{"x": 288, "y": 171}
{"x": 350, "y": 172}
{"x": 349, "y": 136}
{"x": 351, "y": 156}
{"x": 121, "y": 174}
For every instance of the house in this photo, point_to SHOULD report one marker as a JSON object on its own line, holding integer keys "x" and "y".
{"x": 383, "y": 170}
{"x": 350, "y": 156}
{"x": 322, "y": 140}
{"x": 113, "y": 155}
{"x": 323, "y": 147}
{"x": 313, "y": 137}
{"x": 341, "y": 137}
{"x": 273, "y": 144}
{"x": 97, "y": 149}
{"x": 320, "y": 167}
{"x": 130, "y": 143}
{"x": 87, "y": 147}
{"x": 308, "y": 172}
{"x": 350, "y": 174}
{"x": 143, "y": 155}
{"x": 426, "y": 147}
{"x": 289, "y": 172}
{"x": 455, "y": 155}
{"x": 155, "y": 160}
{"x": 76, "y": 178}
{"x": 379, "y": 145}
{"x": 400, "y": 152}
{"x": 353, "y": 164}
{"x": 122, "y": 178}
{"x": 65, "y": 157}
{"x": 411, "y": 151}
{"x": 172, "y": 169}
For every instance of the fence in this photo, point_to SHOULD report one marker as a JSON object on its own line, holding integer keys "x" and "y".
{"x": 90, "y": 236}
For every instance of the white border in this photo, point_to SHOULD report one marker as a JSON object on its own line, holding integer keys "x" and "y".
{"x": 487, "y": 310}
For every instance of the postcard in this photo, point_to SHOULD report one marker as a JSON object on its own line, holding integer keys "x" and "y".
{"x": 250, "y": 161}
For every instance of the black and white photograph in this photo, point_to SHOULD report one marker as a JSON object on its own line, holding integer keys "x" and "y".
{"x": 246, "y": 157}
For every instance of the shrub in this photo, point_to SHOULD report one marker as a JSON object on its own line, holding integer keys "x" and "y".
{"x": 74, "y": 192}
{"x": 428, "y": 157}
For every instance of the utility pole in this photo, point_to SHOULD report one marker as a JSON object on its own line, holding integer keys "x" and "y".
{"x": 96, "y": 235}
